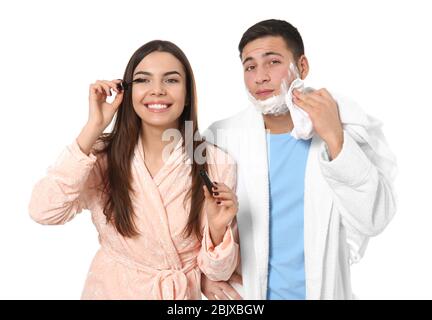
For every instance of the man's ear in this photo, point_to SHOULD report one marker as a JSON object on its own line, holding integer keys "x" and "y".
{"x": 303, "y": 67}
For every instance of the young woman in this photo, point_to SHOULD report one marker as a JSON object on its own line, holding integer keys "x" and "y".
{"x": 159, "y": 226}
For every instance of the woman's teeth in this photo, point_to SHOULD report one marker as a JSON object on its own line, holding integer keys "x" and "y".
{"x": 157, "y": 106}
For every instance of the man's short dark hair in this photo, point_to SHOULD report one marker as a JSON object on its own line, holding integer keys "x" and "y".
{"x": 276, "y": 28}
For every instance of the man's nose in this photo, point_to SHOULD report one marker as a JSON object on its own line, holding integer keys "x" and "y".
{"x": 262, "y": 75}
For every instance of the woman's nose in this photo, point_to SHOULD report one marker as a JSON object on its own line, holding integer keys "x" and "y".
{"x": 158, "y": 90}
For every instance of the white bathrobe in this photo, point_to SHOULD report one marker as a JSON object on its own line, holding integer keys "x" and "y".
{"x": 346, "y": 200}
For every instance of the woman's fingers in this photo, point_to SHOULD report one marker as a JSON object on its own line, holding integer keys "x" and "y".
{"x": 97, "y": 91}
{"x": 207, "y": 194}
{"x": 118, "y": 99}
{"x": 221, "y": 196}
{"x": 222, "y": 187}
{"x": 105, "y": 87}
{"x": 102, "y": 88}
{"x": 227, "y": 203}
{"x": 112, "y": 85}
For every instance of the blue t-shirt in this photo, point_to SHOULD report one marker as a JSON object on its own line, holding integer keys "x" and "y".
{"x": 287, "y": 163}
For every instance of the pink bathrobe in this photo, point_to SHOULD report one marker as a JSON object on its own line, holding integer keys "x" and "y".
{"x": 159, "y": 263}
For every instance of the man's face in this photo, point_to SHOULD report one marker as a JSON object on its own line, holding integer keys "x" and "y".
{"x": 266, "y": 62}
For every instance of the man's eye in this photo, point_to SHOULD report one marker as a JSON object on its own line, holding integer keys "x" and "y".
{"x": 250, "y": 68}
{"x": 275, "y": 62}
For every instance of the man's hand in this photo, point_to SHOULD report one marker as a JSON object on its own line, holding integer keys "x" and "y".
{"x": 218, "y": 290}
{"x": 324, "y": 114}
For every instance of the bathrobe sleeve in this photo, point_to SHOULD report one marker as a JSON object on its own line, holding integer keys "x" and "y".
{"x": 363, "y": 194}
{"x": 66, "y": 188}
{"x": 219, "y": 262}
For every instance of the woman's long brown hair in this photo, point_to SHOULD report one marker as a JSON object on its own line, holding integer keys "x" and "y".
{"x": 119, "y": 146}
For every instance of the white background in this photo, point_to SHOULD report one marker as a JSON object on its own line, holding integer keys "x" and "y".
{"x": 376, "y": 52}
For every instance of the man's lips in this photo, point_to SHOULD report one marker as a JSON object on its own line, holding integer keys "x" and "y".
{"x": 264, "y": 92}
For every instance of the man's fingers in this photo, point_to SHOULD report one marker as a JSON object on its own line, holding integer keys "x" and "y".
{"x": 312, "y": 99}
{"x": 302, "y": 105}
{"x": 325, "y": 94}
{"x": 316, "y": 99}
{"x": 236, "y": 278}
{"x": 220, "y": 295}
{"x": 211, "y": 297}
{"x": 229, "y": 290}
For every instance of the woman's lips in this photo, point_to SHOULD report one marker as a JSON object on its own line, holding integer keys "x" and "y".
{"x": 158, "y": 107}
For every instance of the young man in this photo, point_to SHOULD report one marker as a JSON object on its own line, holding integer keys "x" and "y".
{"x": 314, "y": 175}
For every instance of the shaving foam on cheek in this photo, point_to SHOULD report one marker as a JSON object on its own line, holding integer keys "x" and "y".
{"x": 277, "y": 105}
{"x": 283, "y": 103}
{"x": 274, "y": 105}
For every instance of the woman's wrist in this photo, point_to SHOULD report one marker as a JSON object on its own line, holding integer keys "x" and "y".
{"x": 217, "y": 233}
{"x": 88, "y": 136}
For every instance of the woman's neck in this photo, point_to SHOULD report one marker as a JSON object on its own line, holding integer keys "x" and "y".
{"x": 152, "y": 142}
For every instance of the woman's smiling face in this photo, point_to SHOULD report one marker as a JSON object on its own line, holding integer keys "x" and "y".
{"x": 159, "y": 89}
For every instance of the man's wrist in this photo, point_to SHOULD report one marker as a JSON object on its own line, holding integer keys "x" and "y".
{"x": 335, "y": 145}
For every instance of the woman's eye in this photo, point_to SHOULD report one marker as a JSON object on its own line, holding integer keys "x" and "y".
{"x": 141, "y": 80}
{"x": 172, "y": 80}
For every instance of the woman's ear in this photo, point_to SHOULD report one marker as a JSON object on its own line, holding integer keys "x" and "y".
{"x": 303, "y": 67}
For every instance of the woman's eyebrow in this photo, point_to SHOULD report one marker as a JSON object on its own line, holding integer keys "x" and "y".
{"x": 172, "y": 72}
{"x": 145, "y": 73}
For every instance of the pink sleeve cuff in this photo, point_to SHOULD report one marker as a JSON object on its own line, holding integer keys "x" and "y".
{"x": 223, "y": 249}
{"x": 79, "y": 155}
{"x": 73, "y": 163}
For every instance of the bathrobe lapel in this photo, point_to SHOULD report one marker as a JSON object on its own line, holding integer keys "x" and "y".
{"x": 254, "y": 168}
{"x": 317, "y": 203}
{"x": 152, "y": 202}
{"x": 317, "y": 209}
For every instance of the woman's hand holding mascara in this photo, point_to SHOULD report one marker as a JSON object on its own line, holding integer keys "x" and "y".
{"x": 221, "y": 208}
{"x": 101, "y": 112}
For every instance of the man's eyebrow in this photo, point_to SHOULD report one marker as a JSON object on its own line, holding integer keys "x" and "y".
{"x": 268, "y": 53}
{"x": 150, "y": 74}
{"x": 247, "y": 59}
{"x": 271, "y": 53}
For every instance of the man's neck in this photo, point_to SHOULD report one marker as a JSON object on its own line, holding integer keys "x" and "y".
{"x": 278, "y": 124}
